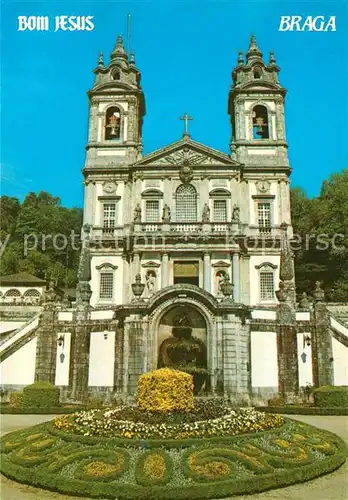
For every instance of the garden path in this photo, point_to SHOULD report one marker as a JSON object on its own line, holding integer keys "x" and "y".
{"x": 330, "y": 487}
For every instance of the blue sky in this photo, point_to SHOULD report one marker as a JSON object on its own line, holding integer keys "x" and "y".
{"x": 186, "y": 52}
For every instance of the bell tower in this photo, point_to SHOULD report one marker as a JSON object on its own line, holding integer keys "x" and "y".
{"x": 256, "y": 108}
{"x": 116, "y": 111}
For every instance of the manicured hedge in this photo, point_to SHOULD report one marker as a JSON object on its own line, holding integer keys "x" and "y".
{"x": 40, "y": 395}
{"x": 6, "y": 409}
{"x": 208, "y": 490}
{"x": 330, "y": 396}
{"x": 291, "y": 466}
{"x": 165, "y": 390}
{"x": 303, "y": 410}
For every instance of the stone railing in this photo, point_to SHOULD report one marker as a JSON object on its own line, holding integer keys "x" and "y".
{"x": 100, "y": 232}
{"x": 186, "y": 227}
{"x": 263, "y": 232}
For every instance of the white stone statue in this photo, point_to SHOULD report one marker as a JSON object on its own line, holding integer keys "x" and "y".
{"x": 150, "y": 283}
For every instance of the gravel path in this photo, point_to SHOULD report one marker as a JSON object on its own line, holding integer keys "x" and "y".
{"x": 330, "y": 487}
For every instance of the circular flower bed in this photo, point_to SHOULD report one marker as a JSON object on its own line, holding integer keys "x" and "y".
{"x": 99, "y": 467}
{"x": 181, "y": 451}
{"x": 133, "y": 423}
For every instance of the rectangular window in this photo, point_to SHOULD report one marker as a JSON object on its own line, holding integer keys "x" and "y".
{"x": 264, "y": 217}
{"x": 152, "y": 211}
{"x": 220, "y": 211}
{"x": 106, "y": 285}
{"x": 267, "y": 285}
{"x": 109, "y": 215}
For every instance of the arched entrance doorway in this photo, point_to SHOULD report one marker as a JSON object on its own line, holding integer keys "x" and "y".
{"x": 182, "y": 342}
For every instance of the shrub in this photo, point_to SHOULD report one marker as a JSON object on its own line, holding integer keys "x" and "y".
{"x": 165, "y": 390}
{"x": 40, "y": 395}
{"x": 330, "y": 396}
{"x": 15, "y": 400}
{"x": 276, "y": 401}
{"x": 95, "y": 402}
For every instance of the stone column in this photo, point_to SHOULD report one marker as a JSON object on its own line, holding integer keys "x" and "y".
{"x": 125, "y": 373}
{"x": 236, "y": 276}
{"x": 206, "y": 272}
{"x": 287, "y": 352}
{"x": 118, "y": 327}
{"x": 165, "y": 270}
{"x": 322, "y": 356}
{"x": 46, "y": 350}
{"x": 80, "y": 358}
{"x": 286, "y": 325}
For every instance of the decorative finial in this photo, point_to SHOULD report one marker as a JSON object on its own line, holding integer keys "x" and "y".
{"x": 304, "y": 302}
{"x": 253, "y": 43}
{"x": 253, "y": 51}
{"x": 240, "y": 59}
{"x": 101, "y": 59}
{"x": 319, "y": 294}
{"x": 272, "y": 58}
{"x": 132, "y": 59}
{"x": 119, "y": 50}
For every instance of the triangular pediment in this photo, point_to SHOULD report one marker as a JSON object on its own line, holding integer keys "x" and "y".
{"x": 221, "y": 263}
{"x": 187, "y": 150}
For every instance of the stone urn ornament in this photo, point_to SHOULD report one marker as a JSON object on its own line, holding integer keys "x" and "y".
{"x": 138, "y": 287}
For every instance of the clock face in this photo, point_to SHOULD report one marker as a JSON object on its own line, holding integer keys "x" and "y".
{"x": 263, "y": 186}
{"x": 109, "y": 187}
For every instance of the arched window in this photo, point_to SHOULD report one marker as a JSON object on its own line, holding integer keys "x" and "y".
{"x": 12, "y": 293}
{"x": 32, "y": 293}
{"x": 116, "y": 74}
{"x": 257, "y": 71}
{"x": 260, "y": 123}
{"x": 113, "y": 124}
{"x": 186, "y": 203}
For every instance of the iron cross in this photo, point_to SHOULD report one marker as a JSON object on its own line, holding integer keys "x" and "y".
{"x": 186, "y": 119}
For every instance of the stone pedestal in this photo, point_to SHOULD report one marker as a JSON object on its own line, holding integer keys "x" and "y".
{"x": 236, "y": 375}
{"x": 322, "y": 357}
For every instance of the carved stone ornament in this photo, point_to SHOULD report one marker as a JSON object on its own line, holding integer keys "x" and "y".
{"x": 109, "y": 187}
{"x": 138, "y": 287}
{"x": 186, "y": 154}
{"x": 186, "y": 172}
{"x": 263, "y": 186}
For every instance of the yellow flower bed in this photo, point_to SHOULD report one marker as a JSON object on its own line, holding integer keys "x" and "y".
{"x": 154, "y": 466}
{"x": 100, "y": 469}
{"x": 165, "y": 390}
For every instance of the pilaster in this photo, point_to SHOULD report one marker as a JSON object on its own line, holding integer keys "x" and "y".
{"x": 207, "y": 271}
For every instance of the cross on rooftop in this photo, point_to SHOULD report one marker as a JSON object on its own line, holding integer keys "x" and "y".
{"x": 186, "y": 118}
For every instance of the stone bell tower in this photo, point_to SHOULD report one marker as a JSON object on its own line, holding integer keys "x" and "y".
{"x": 116, "y": 111}
{"x": 117, "y": 108}
{"x": 256, "y": 107}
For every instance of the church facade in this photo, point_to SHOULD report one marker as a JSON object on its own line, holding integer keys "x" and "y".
{"x": 186, "y": 213}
